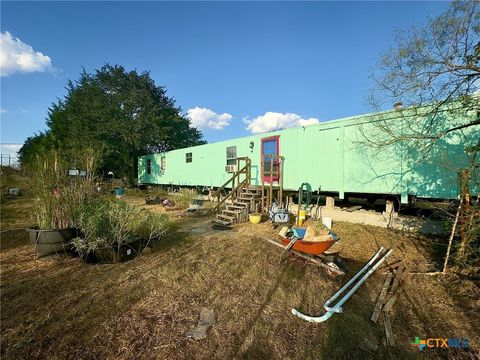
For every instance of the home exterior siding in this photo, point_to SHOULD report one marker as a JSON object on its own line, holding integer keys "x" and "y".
{"x": 332, "y": 156}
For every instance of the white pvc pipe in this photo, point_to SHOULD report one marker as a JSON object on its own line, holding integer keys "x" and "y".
{"x": 338, "y": 307}
{"x": 357, "y": 275}
{"x": 361, "y": 281}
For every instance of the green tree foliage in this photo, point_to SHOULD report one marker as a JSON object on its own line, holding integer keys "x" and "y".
{"x": 121, "y": 114}
{"x": 38, "y": 144}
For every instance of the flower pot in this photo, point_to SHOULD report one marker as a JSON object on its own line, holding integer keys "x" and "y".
{"x": 116, "y": 253}
{"x": 119, "y": 192}
{"x": 255, "y": 218}
{"x": 52, "y": 244}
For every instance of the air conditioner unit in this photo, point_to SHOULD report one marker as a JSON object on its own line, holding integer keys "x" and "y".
{"x": 231, "y": 168}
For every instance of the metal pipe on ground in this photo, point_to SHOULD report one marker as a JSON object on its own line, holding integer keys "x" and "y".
{"x": 338, "y": 306}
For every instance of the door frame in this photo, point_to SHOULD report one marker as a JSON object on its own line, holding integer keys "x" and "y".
{"x": 276, "y": 161}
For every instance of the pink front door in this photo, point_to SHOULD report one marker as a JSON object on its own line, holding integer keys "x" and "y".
{"x": 270, "y": 152}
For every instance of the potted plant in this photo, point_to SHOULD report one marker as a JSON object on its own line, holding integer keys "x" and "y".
{"x": 114, "y": 231}
{"x": 59, "y": 203}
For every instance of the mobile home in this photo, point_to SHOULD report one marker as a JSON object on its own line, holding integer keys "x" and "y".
{"x": 335, "y": 157}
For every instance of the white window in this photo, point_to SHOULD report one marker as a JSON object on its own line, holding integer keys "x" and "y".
{"x": 231, "y": 155}
{"x": 162, "y": 163}
{"x": 188, "y": 157}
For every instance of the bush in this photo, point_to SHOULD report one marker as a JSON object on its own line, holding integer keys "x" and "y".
{"x": 109, "y": 223}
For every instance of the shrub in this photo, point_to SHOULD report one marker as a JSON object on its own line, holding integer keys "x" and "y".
{"x": 108, "y": 223}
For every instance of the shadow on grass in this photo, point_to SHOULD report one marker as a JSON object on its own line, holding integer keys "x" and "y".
{"x": 259, "y": 346}
{"x": 49, "y": 311}
{"x": 14, "y": 238}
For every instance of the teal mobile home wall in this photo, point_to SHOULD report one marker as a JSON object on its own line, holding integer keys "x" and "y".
{"x": 332, "y": 156}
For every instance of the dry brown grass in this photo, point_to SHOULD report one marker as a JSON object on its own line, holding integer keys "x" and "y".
{"x": 142, "y": 309}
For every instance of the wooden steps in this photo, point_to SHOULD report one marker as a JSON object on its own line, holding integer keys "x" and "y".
{"x": 221, "y": 222}
{"x": 237, "y": 211}
{"x": 233, "y": 207}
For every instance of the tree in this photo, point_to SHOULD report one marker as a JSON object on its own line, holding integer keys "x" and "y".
{"x": 434, "y": 71}
{"x": 121, "y": 115}
{"x": 38, "y": 144}
{"x": 430, "y": 68}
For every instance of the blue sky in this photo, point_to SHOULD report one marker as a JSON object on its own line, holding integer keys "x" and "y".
{"x": 235, "y": 68}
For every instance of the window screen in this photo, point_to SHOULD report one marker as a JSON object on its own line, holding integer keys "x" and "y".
{"x": 188, "y": 157}
{"x": 231, "y": 155}
{"x": 149, "y": 166}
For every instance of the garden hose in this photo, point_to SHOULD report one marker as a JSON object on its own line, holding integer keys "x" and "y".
{"x": 308, "y": 198}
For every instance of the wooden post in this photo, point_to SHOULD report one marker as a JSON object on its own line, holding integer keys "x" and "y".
{"x": 249, "y": 182}
{"x": 270, "y": 198}
{"x": 280, "y": 190}
{"x": 262, "y": 174}
{"x": 233, "y": 180}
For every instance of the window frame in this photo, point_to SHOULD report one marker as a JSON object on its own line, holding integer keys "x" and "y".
{"x": 188, "y": 159}
{"x": 163, "y": 163}
{"x": 149, "y": 166}
{"x": 231, "y": 160}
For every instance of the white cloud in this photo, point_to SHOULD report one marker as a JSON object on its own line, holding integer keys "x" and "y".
{"x": 16, "y": 56}
{"x": 3, "y": 111}
{"x": 11, "y": 149}
{"x": 202, "y": 118}
{"x": 274, "y": 121}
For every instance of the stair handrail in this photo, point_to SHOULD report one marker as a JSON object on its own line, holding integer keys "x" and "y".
{"x": 245, "y": 170}
{"x": 220, "y": 202}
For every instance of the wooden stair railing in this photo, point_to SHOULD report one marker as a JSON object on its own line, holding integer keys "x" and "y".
{"x": 235, "y": 189}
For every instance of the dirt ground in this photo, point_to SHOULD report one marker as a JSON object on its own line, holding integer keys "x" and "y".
{"x": 142, "y": 309}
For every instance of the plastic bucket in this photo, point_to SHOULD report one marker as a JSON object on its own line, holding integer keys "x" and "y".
{"x": 301, "y": 217}
{"x": 119, "y": 192}
{"x": 255, "y": 218}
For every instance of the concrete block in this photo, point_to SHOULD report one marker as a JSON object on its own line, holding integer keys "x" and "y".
{"x": 330, "y": 202}
{"x": 389, "y": 208}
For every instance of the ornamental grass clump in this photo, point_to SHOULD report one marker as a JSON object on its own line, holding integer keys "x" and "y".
{"x": 109, "y": 223}
{"x": 60, "y": 199}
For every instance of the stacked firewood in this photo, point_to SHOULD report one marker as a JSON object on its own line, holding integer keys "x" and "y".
{"x": 384, "y": 310}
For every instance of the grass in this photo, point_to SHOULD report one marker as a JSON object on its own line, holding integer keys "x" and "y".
{"x": 142, "y": 309}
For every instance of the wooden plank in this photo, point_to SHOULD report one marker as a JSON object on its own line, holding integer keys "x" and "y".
{"x": 289, "y": 246}
{"x": 388, "y": 331}
{"x": 396, "y": 281}
{"x": 381, "y": 297}
{"x": 225, "y": 217}
{"x": 235, "y": 207}
{"x": 221, "y": 222}
{"x": 233, "y": 212}
{"x": 390, "y": 266}
{"x": 389, "y": 304}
